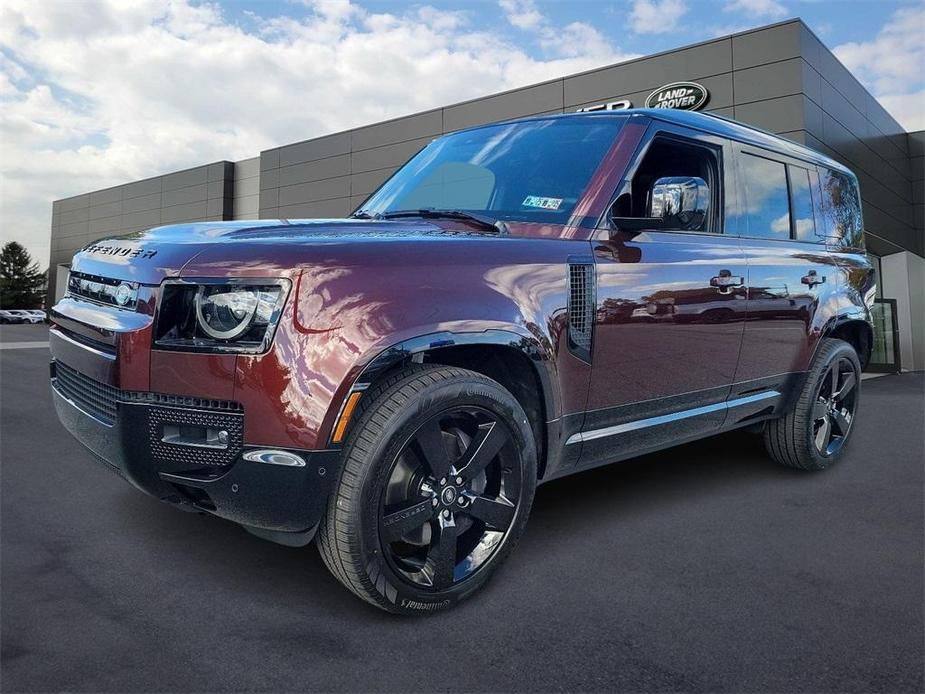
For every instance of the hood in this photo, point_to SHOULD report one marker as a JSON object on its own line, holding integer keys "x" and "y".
{"x": 150, "y": 256}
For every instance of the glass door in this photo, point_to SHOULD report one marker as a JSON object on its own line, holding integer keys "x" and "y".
{"x": 884, "y": 356}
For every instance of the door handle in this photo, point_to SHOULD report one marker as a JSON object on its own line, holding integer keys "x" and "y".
{"x": 726, "y": 280}
{"x": 812, "y": 279}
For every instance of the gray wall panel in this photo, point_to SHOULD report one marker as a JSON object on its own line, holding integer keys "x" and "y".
{"x": 321, "y": 148}
{"x": 141, "y": 203}
{"x": 141, "y": 188}
{"x": 331, "y": 167}
{"x": 387, "y": 156}
{"x": 522, "y": 102}
{"x": 184, "y": 196}
{"x": 185, "y": 179}
{"x": 325, "y": 189}
{"x": 109, "y": 195}
{"x": 313, "y": 210}
{"x": 768, "y": 45}
{"x": 398, "y": 130}
{"x": 769, "y": 81}
{"x": 777, "y": 115}
{"x": 75, "y": 203}
{"x": 105, "y": 226}
{"x": 193, "y": 211}
{"x": 107, "y": 209}
{"x": 365, "y": 183}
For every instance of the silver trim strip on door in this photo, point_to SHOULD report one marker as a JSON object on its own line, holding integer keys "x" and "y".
{"x": 667, "y": 418}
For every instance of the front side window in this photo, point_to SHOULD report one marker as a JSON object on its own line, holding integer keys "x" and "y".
{"x": 841, "y": 209}
{"x": 534, "y": 171}
{"x": 670, "y": 158}
{"x": 766, "y": 200}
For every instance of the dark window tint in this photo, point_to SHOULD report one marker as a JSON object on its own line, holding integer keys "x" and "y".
{"x": 767, "y": 206}
{"x": 841, "y": 209}
{"x": 672, "y": 158}
{"x": 801, "y": 196}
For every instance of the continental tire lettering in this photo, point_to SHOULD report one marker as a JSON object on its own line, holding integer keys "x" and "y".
{"x": 424, "y": 606}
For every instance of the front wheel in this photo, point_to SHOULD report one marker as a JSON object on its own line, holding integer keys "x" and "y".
{"x": 438, "y": 478}
{"x": 813, "y": 435}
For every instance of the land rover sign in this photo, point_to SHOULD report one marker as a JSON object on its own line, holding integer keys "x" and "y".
{"x": 687, "y": 96}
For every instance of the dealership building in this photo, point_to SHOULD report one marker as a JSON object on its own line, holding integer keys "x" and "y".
{"x": 780, "y": 78}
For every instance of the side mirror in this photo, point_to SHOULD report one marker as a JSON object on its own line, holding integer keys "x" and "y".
{"x": 682, "y": 202}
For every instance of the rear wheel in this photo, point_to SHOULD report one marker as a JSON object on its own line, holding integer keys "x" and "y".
{"x": 814, "y": 434}
{"x": 438, "y": 479}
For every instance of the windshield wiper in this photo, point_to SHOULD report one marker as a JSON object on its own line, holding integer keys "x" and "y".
{"x": 363, "y": 214}
{"x": 483, "y": 222}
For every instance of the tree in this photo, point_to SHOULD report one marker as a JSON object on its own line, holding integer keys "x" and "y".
{"x": 21, "y": 282}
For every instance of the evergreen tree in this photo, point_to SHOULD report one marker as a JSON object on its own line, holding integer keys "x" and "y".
{"x": 21, "y": 282}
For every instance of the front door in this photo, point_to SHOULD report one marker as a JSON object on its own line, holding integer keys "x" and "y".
{"x": 670, "y": 313}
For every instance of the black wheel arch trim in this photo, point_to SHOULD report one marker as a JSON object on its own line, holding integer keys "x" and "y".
{"x": 405, "y": 350}
{"x": 853, "y": 314}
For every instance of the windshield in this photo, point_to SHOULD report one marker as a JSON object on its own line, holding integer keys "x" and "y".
{"x": 532, "y": 171}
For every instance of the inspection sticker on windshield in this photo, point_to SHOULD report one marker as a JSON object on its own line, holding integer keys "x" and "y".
{"x": 542, "y": 203}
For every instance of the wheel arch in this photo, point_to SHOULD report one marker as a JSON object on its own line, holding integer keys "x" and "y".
{"x": 856, "y": 330}
{"x": 516, "y": 361}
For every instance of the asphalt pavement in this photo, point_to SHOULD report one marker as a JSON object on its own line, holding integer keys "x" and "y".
{"x": 702, "y": 568}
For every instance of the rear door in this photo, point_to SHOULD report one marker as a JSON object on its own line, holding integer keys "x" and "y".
{"x": 790, "y": 272}
{"x": 670, "y": 310}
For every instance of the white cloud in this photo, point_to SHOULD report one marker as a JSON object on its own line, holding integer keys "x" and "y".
{"x": 656, "y": 16}
{"x": 522, "y": 13}
{"x": 106, "y": 91}
{"x": 757, "y": 8}
{"x": 891, "y": 65}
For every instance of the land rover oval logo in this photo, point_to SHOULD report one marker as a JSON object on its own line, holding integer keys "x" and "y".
{"x": 687, "y": 96}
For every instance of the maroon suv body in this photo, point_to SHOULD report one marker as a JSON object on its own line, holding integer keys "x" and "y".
{"x": 667, "y": 277}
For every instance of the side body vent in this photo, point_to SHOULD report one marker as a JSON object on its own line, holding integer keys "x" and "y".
{"x": 581, "y": 305}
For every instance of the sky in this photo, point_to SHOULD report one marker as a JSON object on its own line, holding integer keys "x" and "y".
{"x": 95, "y": 93}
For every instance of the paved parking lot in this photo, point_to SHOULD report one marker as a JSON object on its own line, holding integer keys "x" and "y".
{"x": 701, "y": 568}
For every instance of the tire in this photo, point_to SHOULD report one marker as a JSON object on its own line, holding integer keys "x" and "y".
{"x": 815, "y": 433}
{"x": 400, "y": 530}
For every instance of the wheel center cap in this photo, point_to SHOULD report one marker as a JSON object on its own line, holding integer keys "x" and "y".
{"x": 448, "y": 495}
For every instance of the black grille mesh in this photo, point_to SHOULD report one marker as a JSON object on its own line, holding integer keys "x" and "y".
{"x": 95, "y": 398}
{"x": 581, "y": 305}
{"x": 195, "y": 455}
{"x": 101, "y": 401}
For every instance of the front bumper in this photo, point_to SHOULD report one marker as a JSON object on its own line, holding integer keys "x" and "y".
{"x": 125, "y": 430}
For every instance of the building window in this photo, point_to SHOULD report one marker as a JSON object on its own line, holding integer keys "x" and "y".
{"x": 767, "y": 204}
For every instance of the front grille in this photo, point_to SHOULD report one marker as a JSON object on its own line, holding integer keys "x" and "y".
{"x": 93, "y": 397}
{"x": 101, "y": 401}
{"x": 103, "y": 290}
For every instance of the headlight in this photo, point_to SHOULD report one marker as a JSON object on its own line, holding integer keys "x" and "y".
{"x": 235, "y": 315}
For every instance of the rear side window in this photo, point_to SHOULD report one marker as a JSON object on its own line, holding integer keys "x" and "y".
{"x": 841, "y": 209}
{"x": 766, "y": 201}
{"x": 801, "y": 198}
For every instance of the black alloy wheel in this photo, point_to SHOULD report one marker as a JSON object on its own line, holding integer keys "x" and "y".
{"x": 438, "y": 476}
{"x": 451, "y": 497}
{"x": 814, "y": 433}
{"x": 835, "y": 405}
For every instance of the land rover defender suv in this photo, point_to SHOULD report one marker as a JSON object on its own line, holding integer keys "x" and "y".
{"x": 519, "y": 302}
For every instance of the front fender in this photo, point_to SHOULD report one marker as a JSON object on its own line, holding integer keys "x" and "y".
{"x": 348, "y": 320}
